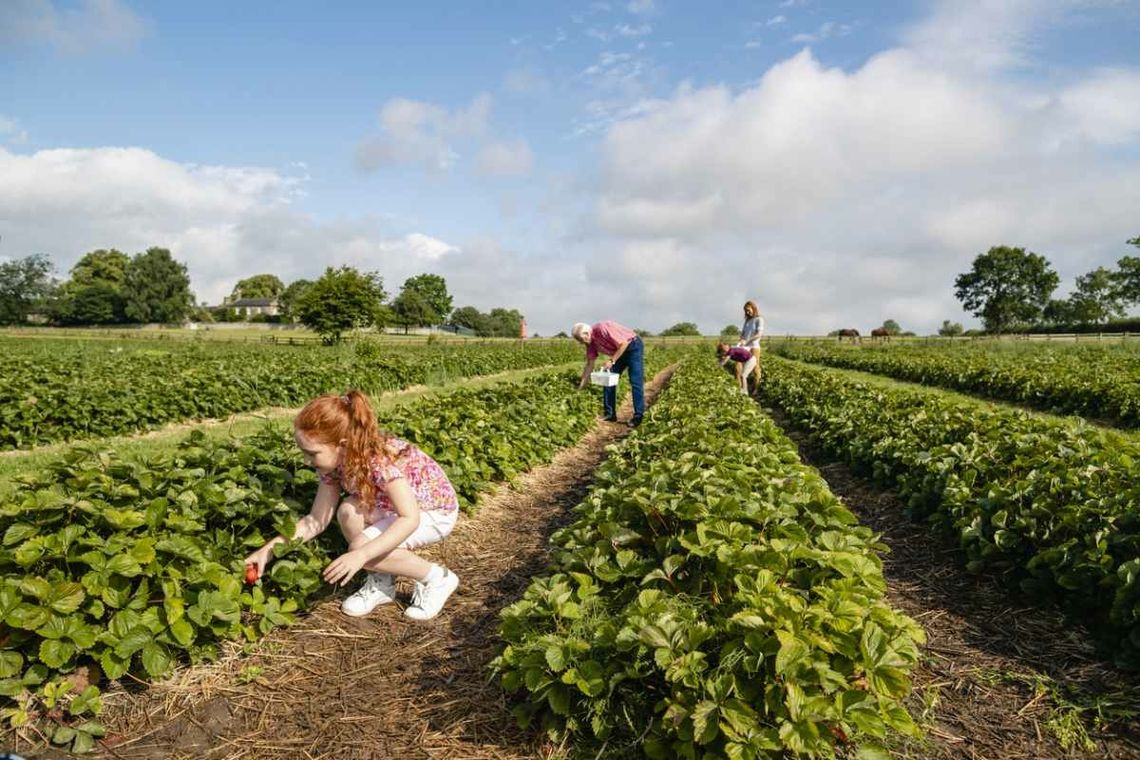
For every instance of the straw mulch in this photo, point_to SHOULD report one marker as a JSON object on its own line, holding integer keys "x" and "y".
{"x": 380, "y": 686}
{"x": 974, "y": 692}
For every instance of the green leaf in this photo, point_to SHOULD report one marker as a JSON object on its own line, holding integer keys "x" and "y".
{"x": 156, "y": 660}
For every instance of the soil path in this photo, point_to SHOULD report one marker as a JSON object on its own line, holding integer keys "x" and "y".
{"x": 998, "y": 680}
{"x": 380, "y": 686}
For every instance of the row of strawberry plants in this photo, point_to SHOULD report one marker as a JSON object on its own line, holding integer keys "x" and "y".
{"x": 131, "y": 566}
{"x": 1047, "y": 504}
{"x": 1097, "y": 382}
{"x": 712, "y": 598}
{"x": 100, "y": 389}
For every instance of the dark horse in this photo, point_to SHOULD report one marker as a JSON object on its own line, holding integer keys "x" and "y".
{"x": 848, "y": 332}
{"x": 881, "y": 332}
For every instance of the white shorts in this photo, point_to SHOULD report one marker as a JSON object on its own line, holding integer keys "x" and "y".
{"x": 435, "y": 525}
{"x": 754, "y": 343}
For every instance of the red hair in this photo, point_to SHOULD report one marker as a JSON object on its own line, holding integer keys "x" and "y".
{"x": 348, "y": 420}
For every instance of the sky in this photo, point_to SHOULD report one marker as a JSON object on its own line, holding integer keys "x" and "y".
{"x": 645, "y": 161}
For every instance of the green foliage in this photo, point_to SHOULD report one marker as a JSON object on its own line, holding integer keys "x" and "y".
{"x": 950, "y": 329}
{"x": 137, "y": 565}
{"x": 291, "y": 295}
{"x": 1127, "y": 277}
{"x": 892, "y": 327}
{"x": 1097, "y": 298}
{"x": 51, "y": 391}
{"x": 1006, "y": 286}
{"x": 259, "y": 286}
{"x": 1048, "y": 506}
{"x": 431, "y": 291}
{"x": 1094, "y": 381}
{"x": 156, "y": 288}
{"x": 412, "y": 310}
{"x": 682, "y": 328}
{"x": 25, "y": 284}
{"x": 730, "y": 331}
{"x": 711, "y": 599}
{"x": 341, "y": 300}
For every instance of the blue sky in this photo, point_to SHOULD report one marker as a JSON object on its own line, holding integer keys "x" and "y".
{"x": 645, "y": 161}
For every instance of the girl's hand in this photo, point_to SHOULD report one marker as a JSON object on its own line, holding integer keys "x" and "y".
{"x": 261, "y": 558}
{"x": 341, "y": 569}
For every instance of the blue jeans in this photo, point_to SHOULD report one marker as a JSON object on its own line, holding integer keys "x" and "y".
{"x": 633, "y": 359}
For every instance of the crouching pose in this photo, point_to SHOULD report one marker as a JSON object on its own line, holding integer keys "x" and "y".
{"x": 398, "y": 500}
{"x": 743, "y": 361}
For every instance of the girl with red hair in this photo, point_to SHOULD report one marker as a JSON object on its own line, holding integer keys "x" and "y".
{"x": 398, "y": 500}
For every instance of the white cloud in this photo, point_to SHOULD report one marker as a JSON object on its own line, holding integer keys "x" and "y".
{"x": 776, "y": 20}
{"x": 418, "y": 132}
{"x": 88, "y": 25}
{"x": 625, "y": 30}
{"x": 506, "y": 159}
{"x": 641, "y": 6}
{"x": 842, "y": 198}
{"x": 826, "y": 31}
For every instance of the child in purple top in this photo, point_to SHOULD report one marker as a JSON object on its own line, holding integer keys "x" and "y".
{"x": 743, "y": 359}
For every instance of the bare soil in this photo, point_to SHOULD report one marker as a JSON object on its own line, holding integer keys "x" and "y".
{"x": 999, "y": 680}
{"x": 381, "y": 686}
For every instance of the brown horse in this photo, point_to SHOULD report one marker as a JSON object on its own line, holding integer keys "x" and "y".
{"x": 881, "y": 332}
{"x": 848, "y": 332}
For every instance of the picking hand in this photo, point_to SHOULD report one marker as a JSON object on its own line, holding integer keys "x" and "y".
{"x": 260, "y": 559}
{"x": 340, "y": 570}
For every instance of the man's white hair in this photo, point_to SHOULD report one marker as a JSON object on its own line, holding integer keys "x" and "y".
{"x": 579, "y": 328}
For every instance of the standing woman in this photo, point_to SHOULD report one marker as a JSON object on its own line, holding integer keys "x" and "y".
{"x": 750, "y": 335}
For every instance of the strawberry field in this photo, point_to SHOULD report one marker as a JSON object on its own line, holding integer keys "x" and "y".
{"x": 709, "y": 596}
{"x": 53, "y": 390}
{"x": 1095, "y": 381}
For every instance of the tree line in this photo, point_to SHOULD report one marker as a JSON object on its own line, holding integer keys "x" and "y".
{"x": 1011, "y": 289}
{"x": 109, "y": 287}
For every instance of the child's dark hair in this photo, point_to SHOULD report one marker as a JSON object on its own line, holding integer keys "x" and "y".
{"x": 348, "y": 420}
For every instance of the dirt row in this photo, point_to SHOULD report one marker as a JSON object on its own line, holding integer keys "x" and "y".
{"x": 382, "y": 685}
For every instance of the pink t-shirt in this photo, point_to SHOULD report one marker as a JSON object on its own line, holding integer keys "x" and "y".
{"x": 607, "y": 338}
{"x": 428, "y": 481}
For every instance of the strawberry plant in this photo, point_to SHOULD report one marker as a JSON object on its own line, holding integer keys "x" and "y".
{"x": 712, "y": 598}
{"x": 136, "y": 566}
{"x": 1048, "y": 505}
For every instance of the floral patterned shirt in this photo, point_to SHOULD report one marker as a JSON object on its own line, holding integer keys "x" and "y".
{"x": 428, "y": 481}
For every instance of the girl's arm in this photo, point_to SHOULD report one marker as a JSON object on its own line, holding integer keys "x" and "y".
{"x": 307, "y": 528}
{"x": 341, "y": 569}
{"x": 405, "y": 524}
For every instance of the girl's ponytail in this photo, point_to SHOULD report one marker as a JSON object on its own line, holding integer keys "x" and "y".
{"x": 348, "y": 420}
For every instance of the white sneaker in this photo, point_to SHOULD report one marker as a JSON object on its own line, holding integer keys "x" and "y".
{"x": 378, "y": 588}
{"x": 428, "y": 598}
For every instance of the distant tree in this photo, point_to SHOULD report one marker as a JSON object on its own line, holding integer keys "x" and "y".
{"x": 1006, "y": 287}
{"x": 1097, "y": 297}
{"x": 95, "y": 292}
{"x": 643, "y": 333}
{"x": 562, "y": 334}
{"x": 342, "y": 299}
{"x": 950, "y": 329}
{"x": 411, "y": 309}
{"x": 25, "y": 285}
{"x": 504, "y": 323}
{"x": 1058, "y": 312}
{"x": 258, "y": 286}
{"x": 681, "y": 328}
{"x": 156, "y": 288}
{"x": 289, "y": 297}
{"x": 432, "y": 290}
{"x": 730, "y": 331}
{"x": 1127, "y": 276}
{"x": 471, "y": 318}
{"x": 892, "y": 327}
